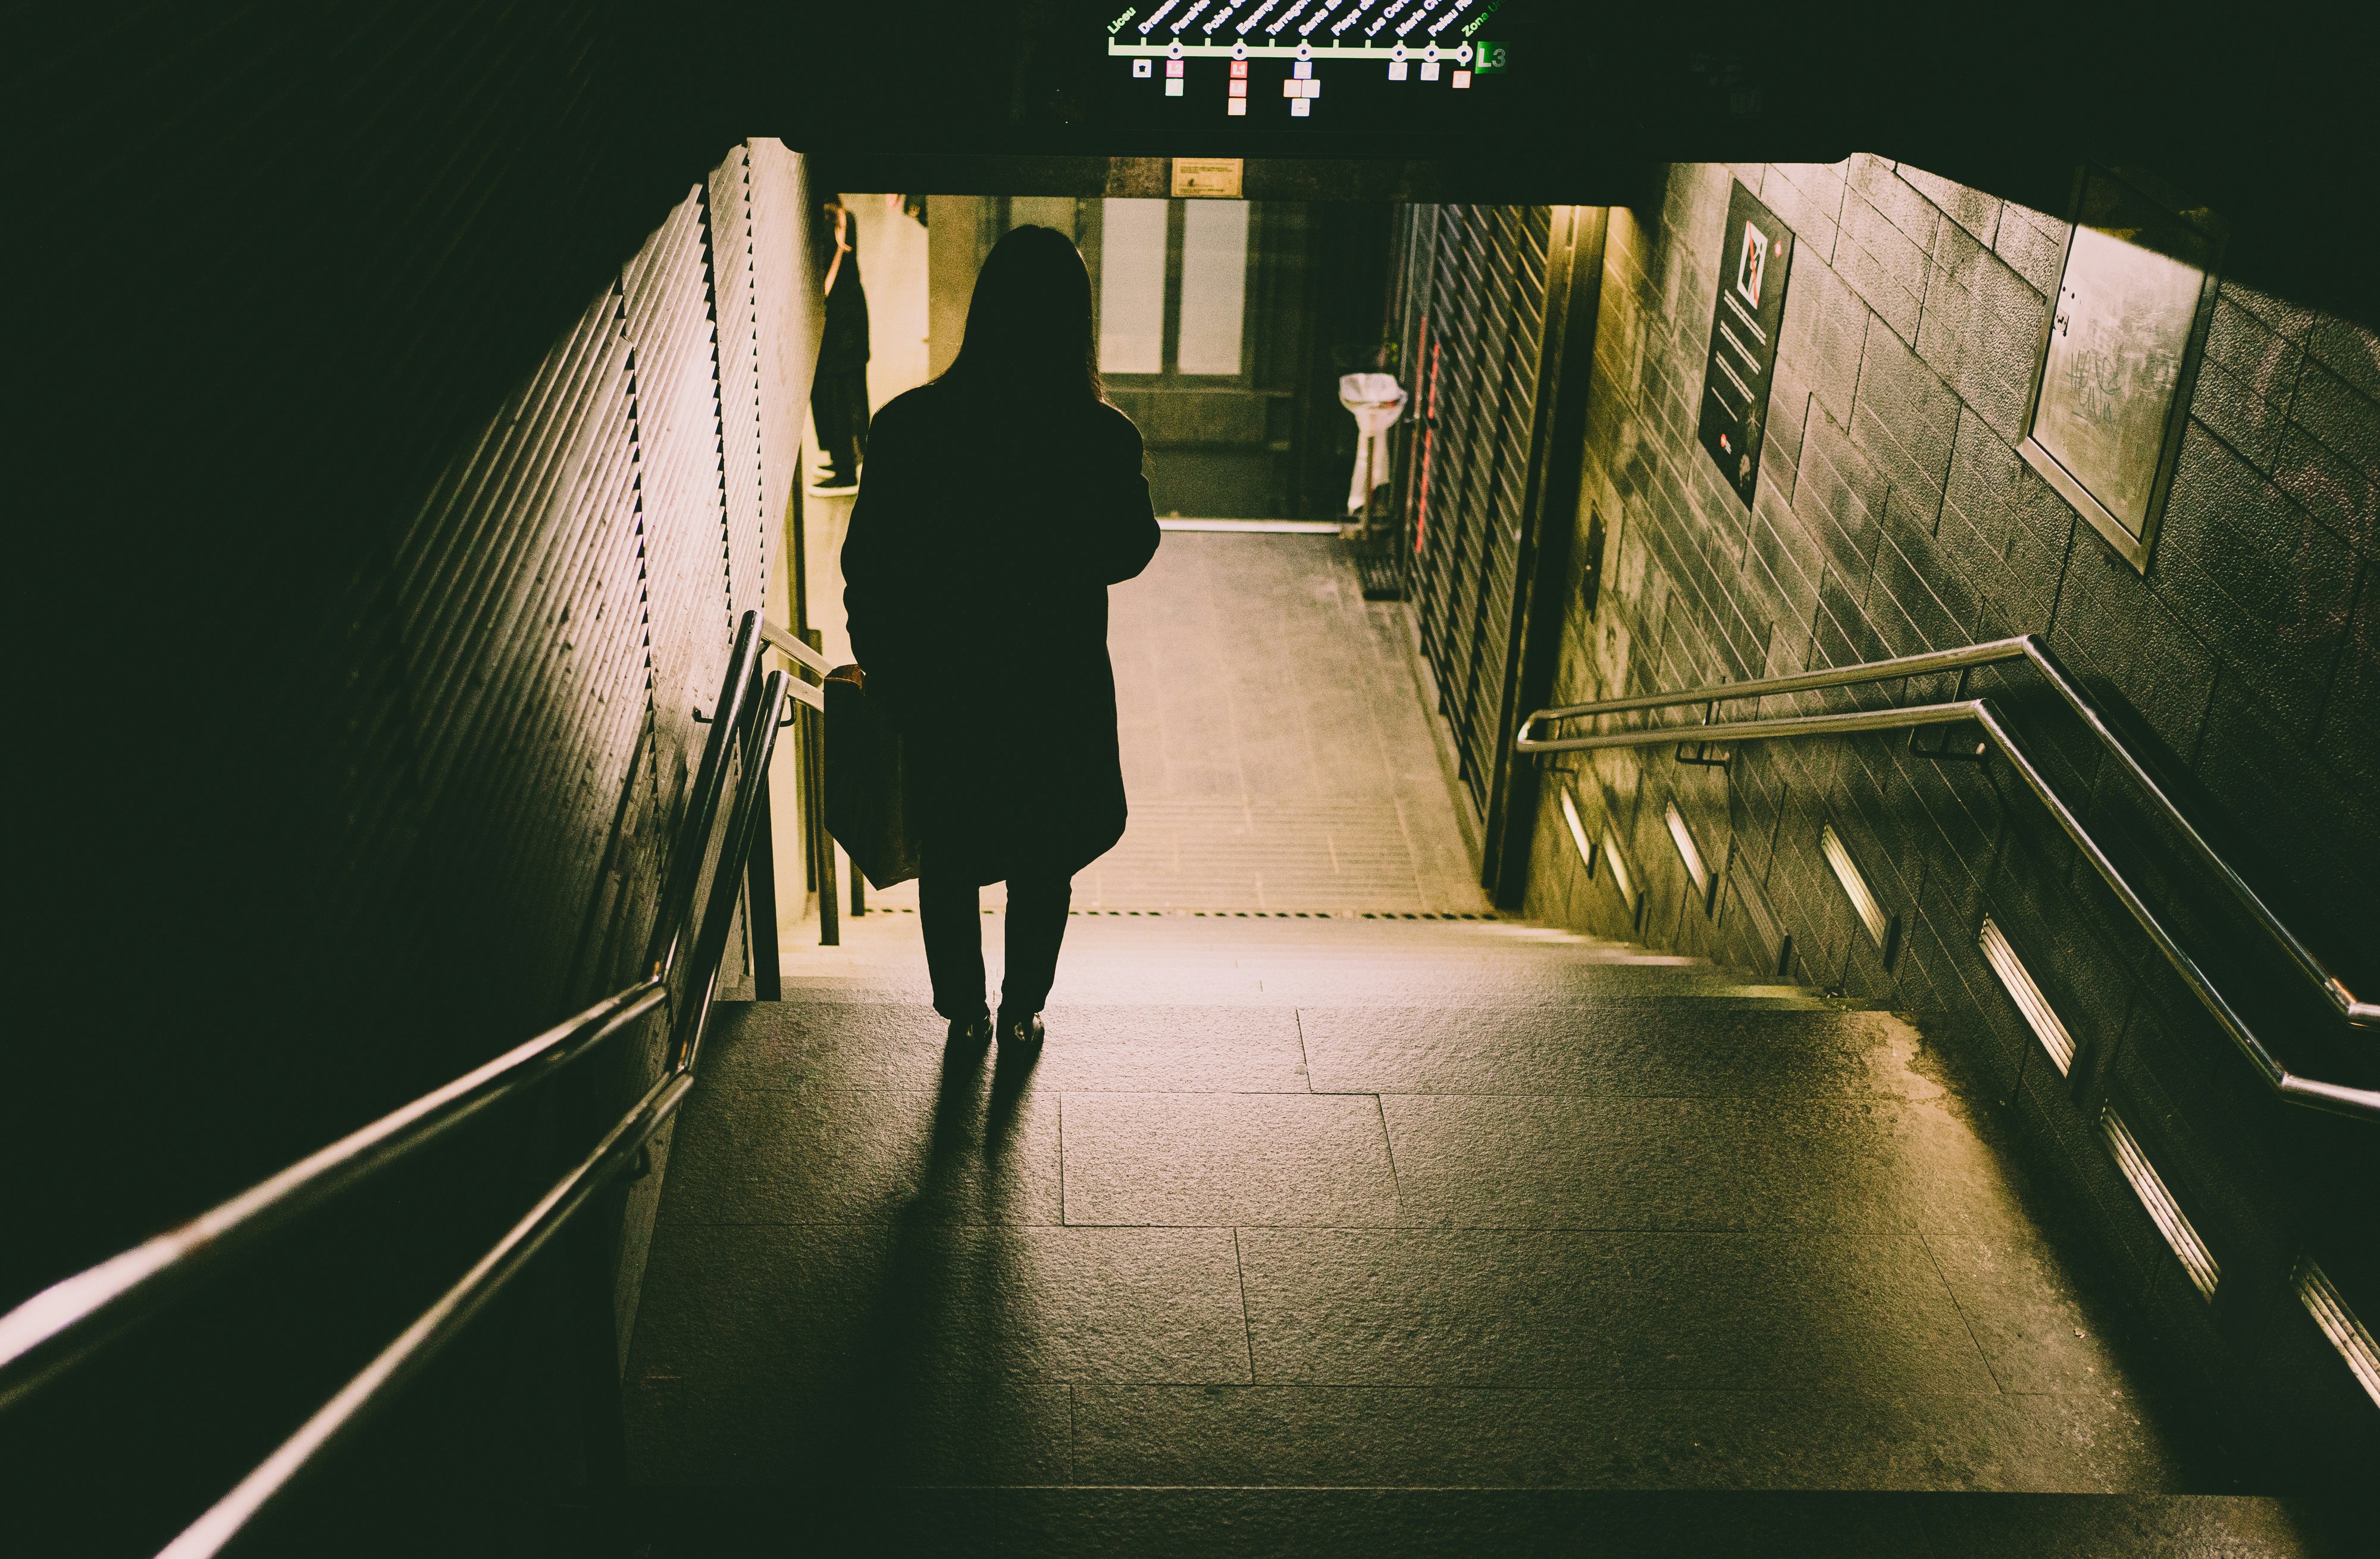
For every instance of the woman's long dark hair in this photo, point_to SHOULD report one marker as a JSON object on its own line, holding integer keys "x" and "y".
{"x": 1029, "y": 327}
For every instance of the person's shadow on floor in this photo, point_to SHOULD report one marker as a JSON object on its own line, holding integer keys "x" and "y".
{"x": 950, "y": 1318}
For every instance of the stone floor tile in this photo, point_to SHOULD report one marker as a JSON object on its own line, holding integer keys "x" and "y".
{"x": 1505, "y": 1161}
{"x": 1289, "y": 1523}
{"x": 1337, "y": 1307}
{"x": 1797, "y": 1308}
{"x": 1501, "y": 1161}
{"x": 2027, "y": 1318}
{"x": 824, "y": 1306}
{"x": 974, "y": 1153}
{"x": 2123, "y": 1527}
{"x": 1743, "y": 1311}
{"x": 860, "y": 1045}
{"x": 1321, "y": 1436}
{"x": 1215, "y": 1159}
{"x": 1611, "y": 1046}
{"x": 766, "y": 1434}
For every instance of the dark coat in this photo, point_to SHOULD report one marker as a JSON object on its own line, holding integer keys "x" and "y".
{"x": 986, "y": 533}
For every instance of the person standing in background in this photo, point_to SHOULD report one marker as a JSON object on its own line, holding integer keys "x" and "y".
{"x": 839, "y": 390}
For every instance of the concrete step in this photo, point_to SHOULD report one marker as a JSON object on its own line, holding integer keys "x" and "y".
{"x": 1671, "y": 1044}
{"x": 1293, "y": 1229}
{"x": 712, "y": 1523}
{"x": 1182, "y": 961}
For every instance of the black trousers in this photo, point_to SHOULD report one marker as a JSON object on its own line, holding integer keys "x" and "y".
{"x": 953, "y": 926}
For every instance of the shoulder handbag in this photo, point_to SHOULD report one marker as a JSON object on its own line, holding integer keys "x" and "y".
{"x": 868, "y": 805}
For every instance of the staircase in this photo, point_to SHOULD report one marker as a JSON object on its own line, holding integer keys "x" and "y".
{"x": 1394, "y": 1237}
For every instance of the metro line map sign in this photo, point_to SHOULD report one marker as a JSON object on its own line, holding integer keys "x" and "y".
{"x": 1269, "y": 59}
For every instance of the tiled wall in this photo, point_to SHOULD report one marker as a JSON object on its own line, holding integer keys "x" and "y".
{"x": 1894, "y": 516}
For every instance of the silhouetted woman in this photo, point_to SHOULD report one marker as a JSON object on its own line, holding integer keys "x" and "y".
{"x": 999, "y": 503}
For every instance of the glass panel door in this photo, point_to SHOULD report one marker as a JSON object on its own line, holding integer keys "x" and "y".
{"x": 1214, "y": 286}
{"x": 1132, "y": 287}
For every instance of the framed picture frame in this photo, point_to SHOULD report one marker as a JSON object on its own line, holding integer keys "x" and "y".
{"x": 2121, "y": 346}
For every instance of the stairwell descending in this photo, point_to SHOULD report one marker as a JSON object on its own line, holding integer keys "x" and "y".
{"x": 1338, "y": 1233}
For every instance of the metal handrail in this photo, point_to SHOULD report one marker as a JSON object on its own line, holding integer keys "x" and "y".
{"x": 59, "y": 1325}
{"x": 790, "y": 645}
{"x": 62, "y": 1325}
{"x": 413, "y": 1348}
{"x": 2026, "y": 647}
{"x": 2336, "y": 1097}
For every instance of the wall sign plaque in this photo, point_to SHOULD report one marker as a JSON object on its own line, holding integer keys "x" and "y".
{"x": 2119, "y": 351}
{"x": 1214, "y": 179}
{"x": 1750, "y": 304}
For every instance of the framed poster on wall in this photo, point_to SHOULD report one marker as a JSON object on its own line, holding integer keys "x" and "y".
{"x": 2119, "y": 352}
{"x": 1754, "y": 251}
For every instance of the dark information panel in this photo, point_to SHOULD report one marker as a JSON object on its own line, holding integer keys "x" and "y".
{"x": 1743, "y": 338}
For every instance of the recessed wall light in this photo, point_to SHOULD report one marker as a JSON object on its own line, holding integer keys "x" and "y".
{"x": 2026, "y": 993}
{"x": 1854, "y": 882}
{"x": 2347, "y": 1333}
{"x": 1689, "y": 853}
{"x": 1621, "y": 878}
{"x": 1577, "y": 831}
{"x": 2164, "y": 1212}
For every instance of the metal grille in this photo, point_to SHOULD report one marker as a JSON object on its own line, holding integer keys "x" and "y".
{"x": 788, "y": 314}
{"x": 566, "y": 593}
{"x": 1474, "y": 291}
{"x": 521, "y": 612}
{"x": 746, "y": 540}
{"x": 677, "y": 434}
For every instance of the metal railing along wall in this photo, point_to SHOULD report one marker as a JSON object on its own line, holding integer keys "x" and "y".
{"x": 806, "y": 655}
{"x": 45, "y": 1336}
{"x": 2314, "y": 1092}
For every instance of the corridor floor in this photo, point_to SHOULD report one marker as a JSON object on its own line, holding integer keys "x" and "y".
{"x": 1277, "y": 747}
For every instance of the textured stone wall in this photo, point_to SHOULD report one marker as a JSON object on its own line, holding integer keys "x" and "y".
{"x": 1894, "y": 516}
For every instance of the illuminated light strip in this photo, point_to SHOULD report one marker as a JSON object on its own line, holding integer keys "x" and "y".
{"x": 1577, "y": 831}
{"x": 1287, "y": 17}
{"x": 1352, "y": 18}
{"x": 2346, "y": 1334}
{"x": 2164, "y": 1212}
{"x": 1442, "y": 23}
{"x": 1688, "y": 852}
{"x": 1153, "y": 20}
{"x": 1854, "y": 884}
{"x": 1621, "y": 878}
{"x": 2018, "y": 981}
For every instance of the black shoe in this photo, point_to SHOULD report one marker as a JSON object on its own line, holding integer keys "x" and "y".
{"x": 971, "y": 1033}
{"x": 1025, "y": 1033}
